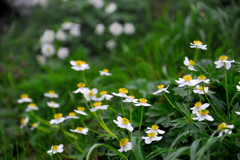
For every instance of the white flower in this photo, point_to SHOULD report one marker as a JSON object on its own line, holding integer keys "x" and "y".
{"x": 125, "y": 145}
{"x": 198, "y": 44}
{"x": 63, "y": 53}
{"x": 111, "y": 44}
{"x": 202, "y": 78}
{"x": 90, "y": 94}
{"x": 51, "y": 94}
{"x": 238, "y": 113}
{"x": 199, "y": 90}
{"x": 105, "y": 72}
{"x": 122, "y": 92}
{"x": 186, "y": 81}
{"x": 42, "y": 3}
{"x": 80, "y": 130}
{"x": 53, "y": 104}
{"x": 41, "y": 59}
{"x": 116, "y": 29}
{"x": 143, "y": 102}
{"x": 72, "y": 115}
{"x": 34, "y": 126}
{"x": 56, "y": 149}
{"x": 129, "y": 28}
{"x": 81, "y": 88}
{"x": 47, "y": 36}
{"x": 223, "y": 60}
{"x": 97, "y": 106}
{"x": 75, "y": 30}
{"x": 24, "y": 98}
{"x": 80, "y": 110}
{"x": 24, "y": 122}
{"x": 110, "y": 8}
{"x": 130, "y": 99}
{"x": 238, "y": 87}
{"x": 203, "y": 114}
{"x": 104, "y": 95}
{"x": 199, "y": 106}
{"x": 57, "y": 119}
{"x": 152, "y": 136}
{"x": 224, "y": 128}
{"x": 155, "y": 128}
{"x": 47, "y": 49}
{"x": 79, "y": 65}
{"x": 31, "y": 107}
{"x": 67, "y": 25}
{"x": 99, "y": 30}
{"x": 190, "y": 64}
{"x": 123, "y": 123}
{"x": 61, "y": 35}
{"x": 96, "y": 3}
{"x": 161, "y": 89}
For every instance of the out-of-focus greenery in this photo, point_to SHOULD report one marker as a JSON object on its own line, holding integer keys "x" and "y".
{"x": 153, "y": 54}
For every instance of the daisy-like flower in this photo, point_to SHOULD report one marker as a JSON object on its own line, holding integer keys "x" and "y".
{"x": 56, "y": 149}
{"x": 97, "y": 106}
{"x": 223, "y": 60}
{"x": 99, "y": 30}
{"x": 200, "y": 89}
{"x": 72, "y": 115}
{"x": 47, "y": 49}
{"x": 67, "y": 25}
{"x": 81, "y": 88}
{"x": 80, "y": 130}
{"x": 53, "y": 104}
{"x": 61, "y": 35}
{"x": 238, "y": 113}
{"x": 41, "y": 59}
{"x": 104, "y": 95}
{"x": 142, "y": 102}
{"x": 123, "y": 123}
{"x": 238, "y": 87}
{"x": 198, "y": 44}
{"x": 155, "y": 128}
{"x": 203, "y": 114}
{"x": 122, "y": 92}
{"x": 79, "y": 65}
{"x": 199, "y": 106}
{"x": 105, "y": 72}
{"x": 47, "y": 36}
{"x": 110, "y": 8}
{"x": 34, "y": 126}
{"x": 63, "y": 53}
{"x": 31, "y": 107}
{"x": 161, "y": 89}
{"x": 202, "y": 78}
{"x": 190, "y": 64}
{"x": 110, "y": 44}
{"x": 186, "y": 81}
{"x": 152, "y": 136}
{"x": 125, "y": 145}
{"x": 80, "y": 110}
{"x": 131, "y": 99}
{"x": 116, "y": 29}
{"x": 51, "y": 94}
{"x": 90, "y": 94}
{"x": 58, "y": 118}
{"x": 24, "y": 98}
{"x": 224, "y": 128}
{"x": 96, "y": 3}
{"x": 75, "y": 30}
{"x": 128, "y": 28}
{"x": 24, "y": 122}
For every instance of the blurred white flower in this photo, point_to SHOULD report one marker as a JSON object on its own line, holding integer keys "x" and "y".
{"x": 98, "y": 106}
{"x": 34, "y": 126}
{"x": 122, "y": 92}
{"x": 129, "y": 28}
{"x": 47, "y": 49}
{"x": 110, "y": 44}
{"x": 186, "y": 81}
{"x": 53, "y": 104}
{"x": 224, "y": 128}
{"x": 223, "y": 61}
{"x": 110, "y": 8}
{"x": 142, "y": 102}
{"x": 99, "y": 30}
{"x": 90, "y": 94}
{"x": 123, "y": 123}
{"x": 57, "y": 119}
{"x": 81, "y": 88}
{"x": 116, "y": 28}
{"x": 47, "y": 36}
{"x": 105, "y": 72}
{"x": 152, "y": 136}
{"x": 202, "y": 115}
{"x": 80, "y": 130}
{"x": 40, "y": 2}
{"x": 96, "y": 3}
{"x": 199, "y": 106}
{"x": 79, "y": 65}
{"x": 202, "y": 78}
{"x": 51, "y": 94}
{"x": 190, "y": 64}
{"x": 75, "y": 30}
{"x": 238, "y": 113}
{"x": 67, "y": 25}
{"x": 24, "y": 122}
{"x": 238, "y": 87}
{"x": 155, "y": 128}
{"x": 130, "y": 99}
{"x": 104, "y": 95}
{"x": 63, "y": 52}
{"x": 31, "y": 107}
{"x": 198, "y": 44}
{"x": 80, "y": 110}
{"x": 161, "y": 89}
{"x": 61, "y": 35}
{"x": 41, "y": 59}
{"x": 200, "y": 90}
{"x": 56, "y": 149}
{"x": 125, "y": 145}
{"x": 24, "y": 98}
{"x": 72, "y": 115}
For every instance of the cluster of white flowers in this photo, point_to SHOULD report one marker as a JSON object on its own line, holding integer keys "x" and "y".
{"x": 152, "y": 134}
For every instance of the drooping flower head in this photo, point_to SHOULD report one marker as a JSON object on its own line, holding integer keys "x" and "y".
{"x": 190, "y": 64}
{"x": 224, "y": 128}
{"x": 223, "y": 61}
{"x": 24, "y": 122}
{"x": 125, "y": 145}
{"x": 161, "y": 89}
{"x": 123, "y": 123}
{"x": 34, "y": 126}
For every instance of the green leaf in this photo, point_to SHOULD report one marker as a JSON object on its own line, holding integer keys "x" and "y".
{"x": 137, "y": 149}
{"x": 156, "y": 153}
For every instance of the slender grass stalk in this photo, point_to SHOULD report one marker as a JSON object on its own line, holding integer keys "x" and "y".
{"x": 209, "y": 127}
{"x": 122, "y": 107}
{"x": 226, "y": 88}
{"x": 83, "y": 77}
{"x": 93, "y": 130}
{"x": 140, "y": 124}
{"x": 196, "y": 55}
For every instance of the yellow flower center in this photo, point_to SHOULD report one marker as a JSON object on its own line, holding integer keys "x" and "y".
{"x": 55, "y": 147}
{"x": 204, "y": 112}
{"x": 79, "y": 62}
{"x": 81, "y": 108}
{"x": 197, "y": 42}
{"x": 24, "y": 95}
{"x": 52, "y": 92}
{"x": 53, "y": 103}
{"x": 125, "y": 121}
{"x": 123, "y": 90}
{"x": 200, "y": 88}
{"x": 80, "y": 129}
{"x": 160, "y": 86}
{"x": 105, "y": 70}
{"x": 191, "y": 62}
{"x": 32, "y": 105}
{"x": 72, "y": 114}
{"x": 34, "y": 124}
{"x": 198, "y": 104}
{"x": 201, "y": 77}
{"x": 151, "y": 134}
{"x": 124, "y": 141}
{"x": 58, "y": 115}
{"x": 187, "y": 78}
{"x": 155, "y": 127}
{"x": 103, "y": 92}
{"x": 91, "y": 93}
{"x": 22, "y": 121}
{"x": 97, "y": 104}
{"x": 223, "y": 58}
{"x": 222, "y": 127}
{"x": 81, "y": 85}
{"x": 48, "y": 49}
{"x": 132, "y": 96}
{"x": 143, "y": 100}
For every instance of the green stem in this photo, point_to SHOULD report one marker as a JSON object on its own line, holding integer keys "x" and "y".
{"x": 234, "y": 97}
{"x": 140, "y": 124}
{"x": 122, "y": 107}
{"x": 189, "y": 111}
{"x": 93, "y": 130}
{"x": 196, "y": 55}
{"x": 83, "y": 77}
{"x": 209, "y": 127}
{"x": 102, "y": 83}
{"x": 131, "y": 117}
{"x": 226, "y": 88}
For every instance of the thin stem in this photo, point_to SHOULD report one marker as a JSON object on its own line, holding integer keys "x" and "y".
{"x": 122, "y": 107}
{"x": 209, "y": 127}
{"x": 140, "y": 124}
{"x": 93, "y": 130}
{"x": 188, "y": 102}
{"x": 131, "y": 117}
{"x": 83, "y": 77}
{"x": 196, "y": 55}
{"x": 102, "y": 83}
{"x": 226, "y": 88}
